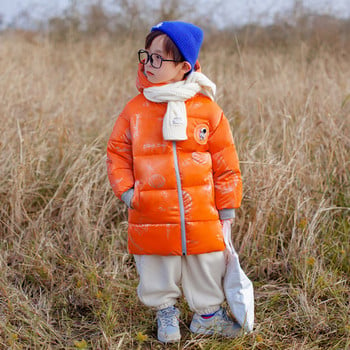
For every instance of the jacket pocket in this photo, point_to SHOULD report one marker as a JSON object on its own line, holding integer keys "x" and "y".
{"x": 134, "y": 204}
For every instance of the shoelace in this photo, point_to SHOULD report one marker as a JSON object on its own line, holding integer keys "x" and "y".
{"x": 167, "y": 317}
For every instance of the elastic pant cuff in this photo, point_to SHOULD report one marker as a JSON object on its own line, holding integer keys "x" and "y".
{"x": 163, "y": 306}
{"x": 207, "y": 311}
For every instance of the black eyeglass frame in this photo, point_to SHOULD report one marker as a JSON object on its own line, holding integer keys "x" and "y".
{"x": 149, "y": 58}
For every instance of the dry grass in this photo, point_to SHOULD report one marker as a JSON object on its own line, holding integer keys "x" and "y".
{"x": 66, "y": 280}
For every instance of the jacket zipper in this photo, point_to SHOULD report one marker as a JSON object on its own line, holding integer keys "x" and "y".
{"x": 181, "y": 202}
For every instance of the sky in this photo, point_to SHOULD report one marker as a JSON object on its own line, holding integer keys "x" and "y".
{"x": 235, "y": 12}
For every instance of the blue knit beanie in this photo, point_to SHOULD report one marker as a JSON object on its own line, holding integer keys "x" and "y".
{"x": 186, "y": 36}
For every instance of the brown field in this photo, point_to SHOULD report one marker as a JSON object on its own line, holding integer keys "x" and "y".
{"x": 66, "y": 280}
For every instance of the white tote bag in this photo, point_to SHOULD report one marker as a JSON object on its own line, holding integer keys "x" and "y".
{"x": 237, "y": 286}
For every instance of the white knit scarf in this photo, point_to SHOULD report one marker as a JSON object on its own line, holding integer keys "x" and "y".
{"x": 175, "y": 94}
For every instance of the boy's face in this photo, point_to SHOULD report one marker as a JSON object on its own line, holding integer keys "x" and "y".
{"x": 169, "y": 72}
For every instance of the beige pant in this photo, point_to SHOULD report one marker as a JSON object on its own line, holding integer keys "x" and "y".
{"x": 200, "y": 276}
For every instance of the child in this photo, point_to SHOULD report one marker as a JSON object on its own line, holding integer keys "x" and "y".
{"x": 171, "y": 158}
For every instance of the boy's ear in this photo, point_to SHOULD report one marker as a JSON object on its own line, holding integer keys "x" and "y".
{"x": 186, "y": 67}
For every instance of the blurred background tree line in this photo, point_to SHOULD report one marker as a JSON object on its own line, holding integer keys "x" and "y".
{"x": 130, "y": 19}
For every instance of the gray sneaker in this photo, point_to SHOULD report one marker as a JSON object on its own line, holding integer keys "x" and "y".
{"x": 219, "y": 324}
{"x": 168, "y": 325}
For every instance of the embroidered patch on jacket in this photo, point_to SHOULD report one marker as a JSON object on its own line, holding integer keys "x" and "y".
{"x": 201, "y": 133}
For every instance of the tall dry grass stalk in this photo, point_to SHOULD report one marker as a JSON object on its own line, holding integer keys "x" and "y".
{"x": 66, "y": 280}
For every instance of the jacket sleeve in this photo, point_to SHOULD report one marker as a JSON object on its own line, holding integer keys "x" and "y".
{"x": 119, "y": 157}
{"x": 226, "y": 171}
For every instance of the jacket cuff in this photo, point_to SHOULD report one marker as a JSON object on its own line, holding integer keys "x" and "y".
{"x": 126, "y": 197}
{"x": 226, "y": 214}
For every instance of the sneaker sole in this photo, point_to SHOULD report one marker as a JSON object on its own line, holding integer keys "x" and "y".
{"x": 211, "y": 331}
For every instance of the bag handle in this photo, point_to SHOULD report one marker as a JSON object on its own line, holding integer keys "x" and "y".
{"x": 226, "y": 229}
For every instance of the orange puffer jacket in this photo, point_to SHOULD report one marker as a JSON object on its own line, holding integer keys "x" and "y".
{"x": 178, "y": 188}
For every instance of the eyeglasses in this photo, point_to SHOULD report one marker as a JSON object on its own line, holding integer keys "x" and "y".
{"x": 155, "y": 59}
